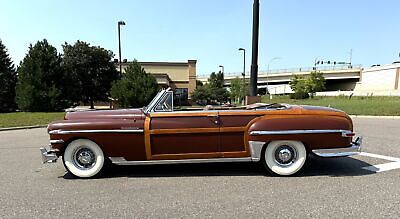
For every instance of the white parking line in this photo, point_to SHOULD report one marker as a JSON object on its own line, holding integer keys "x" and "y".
{"x": 395, "y": 164}
{"x": 380, "y": 156}
{"x": 383, "y": 167}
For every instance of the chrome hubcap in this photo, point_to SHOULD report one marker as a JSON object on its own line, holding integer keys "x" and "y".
{"x": 285, "y": 155}
{"x": 84, "y": 158}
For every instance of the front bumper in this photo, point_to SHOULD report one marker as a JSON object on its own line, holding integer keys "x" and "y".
{"x": 353, "y": 149}
{"x": 48, "y": 155}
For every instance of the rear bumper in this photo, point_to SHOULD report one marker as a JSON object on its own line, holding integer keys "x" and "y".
{"x": 48, "y": 155}
{"x": 353, "y": 149}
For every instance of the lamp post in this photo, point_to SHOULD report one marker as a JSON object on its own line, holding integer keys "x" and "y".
{"x": 254, "y": 58}
{"x": 244, "y": 73}
{"x": 222, "y": 68}
{"x": 271, "y": 60}
{"x": 315, "y": 62}
{"x": 119, "y": 44}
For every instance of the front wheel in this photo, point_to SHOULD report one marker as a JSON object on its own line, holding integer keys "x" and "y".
{"x": 284, "y": 158}
{"x": 83, "y": 158}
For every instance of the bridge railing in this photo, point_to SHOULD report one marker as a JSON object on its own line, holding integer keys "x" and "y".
{"x": 292, "y": 70}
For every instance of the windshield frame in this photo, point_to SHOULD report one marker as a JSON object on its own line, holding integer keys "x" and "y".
{"x": 156, "y": 100}
{"x": 153, "y": 102}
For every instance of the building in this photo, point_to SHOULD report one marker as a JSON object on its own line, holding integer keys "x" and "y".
{"x": 180, "y": 76}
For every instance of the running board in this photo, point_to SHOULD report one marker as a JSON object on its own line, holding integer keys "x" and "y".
{"x": 122, "y": 161}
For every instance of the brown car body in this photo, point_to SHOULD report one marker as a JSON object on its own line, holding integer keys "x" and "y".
{"x": 135, "y": 135}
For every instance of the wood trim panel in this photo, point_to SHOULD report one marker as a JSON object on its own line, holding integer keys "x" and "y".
{"x": 184, "y": 131}
{"x": 197, "y": 130}
{"x": 186, "y": 156}
{"x": 235, "y": 154}
{"x": 243, "y": 113}
{"x": 184, "y": 114}
{"x": 147, "y": 141}
{"x": 233, "y": 129}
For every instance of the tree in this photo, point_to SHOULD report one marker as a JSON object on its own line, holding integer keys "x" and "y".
{"x": 8, "y": 80}
{"x": 199, "y": 83}
{"x": 238, "y": 90}
{"x": 92, "y": 70}
{"x": 315, "y": 83}
{"x": 202, "y": 95}
{"x": 216, "y": 80}
{"x": 136, "y": 88}
{"x": 299, "y": 86}
{"x": 213, "y": 91}
{"x": 303, "y": 87}
{"x": 216, "y": 88}
{"x": 42, "y": 82}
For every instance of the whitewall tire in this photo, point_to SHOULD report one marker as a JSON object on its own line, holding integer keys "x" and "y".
{"x": 284, "y": 158}
{"x": 83, "y": 158}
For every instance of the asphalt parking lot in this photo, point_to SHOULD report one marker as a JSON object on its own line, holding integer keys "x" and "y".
{"x": 365, "y": 186}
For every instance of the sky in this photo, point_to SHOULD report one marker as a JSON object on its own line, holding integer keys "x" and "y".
{"x": 293, "y": 33}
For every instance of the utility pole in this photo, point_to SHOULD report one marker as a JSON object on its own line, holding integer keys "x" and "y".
{"x": 244, "y": 74}
{"x": 119, "y": 44}
{"x": 254, "y": 58}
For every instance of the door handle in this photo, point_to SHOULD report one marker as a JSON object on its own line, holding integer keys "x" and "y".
{"x": 216, "y": 118}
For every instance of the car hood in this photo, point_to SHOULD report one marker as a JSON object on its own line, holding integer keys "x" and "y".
{"x": 106, "y": 114}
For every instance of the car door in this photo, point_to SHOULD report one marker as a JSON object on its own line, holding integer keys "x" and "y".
{"x": 181, "y": 135}
{"x": 233, "y": 134}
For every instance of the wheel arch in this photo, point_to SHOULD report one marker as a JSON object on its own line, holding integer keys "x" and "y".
{"x": 69, "y": 140}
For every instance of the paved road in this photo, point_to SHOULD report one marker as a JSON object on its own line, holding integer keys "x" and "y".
{"x": 327, "y": 188}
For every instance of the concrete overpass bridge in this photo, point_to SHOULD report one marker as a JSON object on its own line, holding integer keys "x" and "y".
{"x": 337, "y": 77}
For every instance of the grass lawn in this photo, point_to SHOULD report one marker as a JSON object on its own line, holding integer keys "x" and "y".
{"x": 375, "y": 106}
{"x": 28, "y": 119}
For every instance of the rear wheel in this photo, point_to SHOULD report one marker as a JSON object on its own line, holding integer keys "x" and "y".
{"x": 83, "y": 158}
{"x": 284, "y": 158}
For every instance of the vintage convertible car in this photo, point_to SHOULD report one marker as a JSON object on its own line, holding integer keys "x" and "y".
{"x": 279, "y": 136}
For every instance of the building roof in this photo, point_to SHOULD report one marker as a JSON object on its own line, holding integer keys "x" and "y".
{"x": 162, "y": 63}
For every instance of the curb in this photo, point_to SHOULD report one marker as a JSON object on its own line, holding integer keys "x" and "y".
{"x": 374, "y": 117}
{"x": 23, "y": 127}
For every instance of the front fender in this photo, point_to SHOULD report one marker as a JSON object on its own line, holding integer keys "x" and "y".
{"x": 116, "y": 137}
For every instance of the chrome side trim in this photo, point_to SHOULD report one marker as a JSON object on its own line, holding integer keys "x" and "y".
{"x": 97, "y": 131}
{"x": 255, "y": 149}
{"x": 58, "y": 141}
{"x": 293, "y": 132}
{"x": 122, "y": 161}
{"x": 354, "y": 149}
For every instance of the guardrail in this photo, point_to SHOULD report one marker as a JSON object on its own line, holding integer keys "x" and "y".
{"x": 290, "y": 70}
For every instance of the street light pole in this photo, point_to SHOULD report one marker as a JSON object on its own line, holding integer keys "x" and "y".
{"x": 315, "y": 62}
{"x": 273, "y": 59}
{"x": 254, "y": 58}
{"x": 223, "y": 69}
{"x": 244, "y": 73}
{"x": 119, "y": 44}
